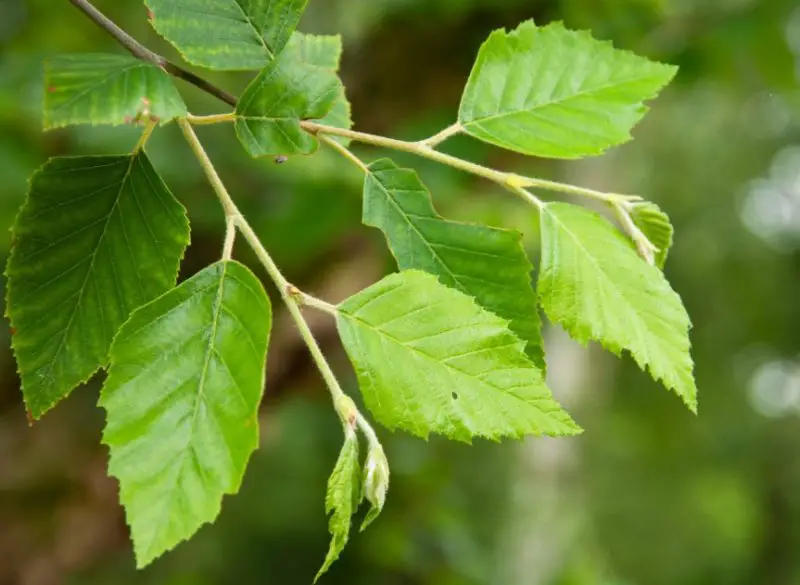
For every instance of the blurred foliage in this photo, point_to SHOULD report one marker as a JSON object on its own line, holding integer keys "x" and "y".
{"x": 649, "y": 495}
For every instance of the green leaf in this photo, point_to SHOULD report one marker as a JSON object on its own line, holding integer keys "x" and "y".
{"x": 552, "y": 92}
{"x": 107, "y": 89}
{"x": 342, "y": 499}
{"x": 96, "y": 238}
{"x": 596, "y": 286}
{"x": 227, "y": 34}
{"x": 182, "y": 396}
{"x": 431, "y": 360}
{"x": 654, "y": 224}
{"x": 484, "y": 262}
{"x": 326, "y": 52}
{"x": 286, "y": 92}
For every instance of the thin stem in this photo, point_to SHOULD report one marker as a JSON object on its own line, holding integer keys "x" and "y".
{"x": 213, "y": 119}
{"x": 208, "y": 167}
{"x": 344, "y": 151}
{"x": 526, "y": 195}
{"x": 141, "y": 52}
{"x": 149, "y": 127}
{"x": 313, "y": 302}
{"x": 440, "y": 137}
{"x": 368, "y": 431}
{"x": 421, "y": 149}
{"x": 230, "y": 238}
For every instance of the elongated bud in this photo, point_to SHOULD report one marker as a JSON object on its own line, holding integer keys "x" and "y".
{"x": 376, "y": 482}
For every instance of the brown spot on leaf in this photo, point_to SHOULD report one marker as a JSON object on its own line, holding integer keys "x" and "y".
{"x": 13, "y": 330}
{"x": 52, "y": 89}
{"x": 150, "y": 15}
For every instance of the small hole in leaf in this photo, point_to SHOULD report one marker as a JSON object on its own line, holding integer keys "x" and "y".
{"x": 455, "y": 396}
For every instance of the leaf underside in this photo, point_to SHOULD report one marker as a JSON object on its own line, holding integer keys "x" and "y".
{"x": 596, "y": 286}
{"x": 342, "y": 499}
{"x": 107, "y": 89}
{"x": 654, "y": 224}
{"x": 227, "y": 34}
{"x": 96, "y": 238}
{"x": 430, "y": 360}
{"x": 487, "y": 263}
{"x": 182, "y": 396}
{"x": 553, "y": 92}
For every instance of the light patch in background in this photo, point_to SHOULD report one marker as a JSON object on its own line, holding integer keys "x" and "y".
{"x": 774, "y": 388}
{"x": 771, "y": 207}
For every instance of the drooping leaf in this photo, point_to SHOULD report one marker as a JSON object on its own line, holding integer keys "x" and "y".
{"x": 286, "y": 92}
{"x": 182, "y": 396}
{"x": 429, "y": 359}
{"x": 654, "y": 224}
{"x": 487, "y": 263}
{"x": 326, "y": 52}
{"x": 553, "y": 92}
{"x": 376, "y": 483}
{"x": 107, "y": 89}
{"x": 96, "y": 238}
{"x": 342, "y": 499}
{"x": 596, "y": 286}
{"x": 227, "y": 34}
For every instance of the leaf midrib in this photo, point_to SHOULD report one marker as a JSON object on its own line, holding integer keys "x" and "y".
{"x": 210, "y": 349}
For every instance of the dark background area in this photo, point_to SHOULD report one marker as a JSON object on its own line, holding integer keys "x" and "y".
{"x": 648, "y": 495}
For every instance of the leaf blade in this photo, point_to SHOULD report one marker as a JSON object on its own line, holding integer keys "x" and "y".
{"x": 290, "y": 89}
{"x": 113, "y": 235}
{"x": 429, "y": 359}
{"x": 342, "y": 499}
{"x": 552, "y": 92}
{"x": 484, "y": 262}
{"x": 180, "y": 431}
{"x": 107, "y": 89}
{"x": 595, "y": 285}
{"x": 250, "y": 34}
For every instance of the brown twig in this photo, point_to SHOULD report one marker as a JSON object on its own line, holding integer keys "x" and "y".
{"x": 141, "y": 52}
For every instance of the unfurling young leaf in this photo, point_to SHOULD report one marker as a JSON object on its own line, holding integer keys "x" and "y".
{"x": 96, "y": 238}
{"x": 287, "y": 91}
{"x": 107, "y": 89}
{"x": 654, "y": 224}
{"x": 429, "y": 359}
{"x": 342, "y": 499}
{"x": 552, "y": 92}
{"x": 376, "y": 482}
{"x": 182, "y": 396}
{"x": 487, "y": 263}
{"x": 596, "y": 286}
{"x": 227, "y": 34}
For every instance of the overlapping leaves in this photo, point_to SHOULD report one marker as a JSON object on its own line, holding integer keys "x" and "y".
{"x": 431, "y": 360}
{"x": 107, "y": 89}
{"x": 227, "y": 34}
{"x": 595, "y": 285}
{"x": 553, "y": 92}
{"x": 654, "y": 224}
{"x": 96, "y": 238}
{"x": 484, "y": 262}
{"x": 182, "y": 396}
{"x": 301, "y": 84}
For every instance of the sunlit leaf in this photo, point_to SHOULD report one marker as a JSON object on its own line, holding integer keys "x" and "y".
{"x": 342, "y": 499}
{"x": 227, "y": 34}
{"x": 96, "y": 238}
{"x": 552, "y": 92}
{"x": 107, "y": 89}
{"x": 484, "y": 262}
{"x": 182, "y": 396}
{"x": 429, "y": 359}
{"x": 596, "y": 286}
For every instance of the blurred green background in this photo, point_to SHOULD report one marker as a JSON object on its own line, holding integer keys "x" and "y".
{"x": 648, "y": 495}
